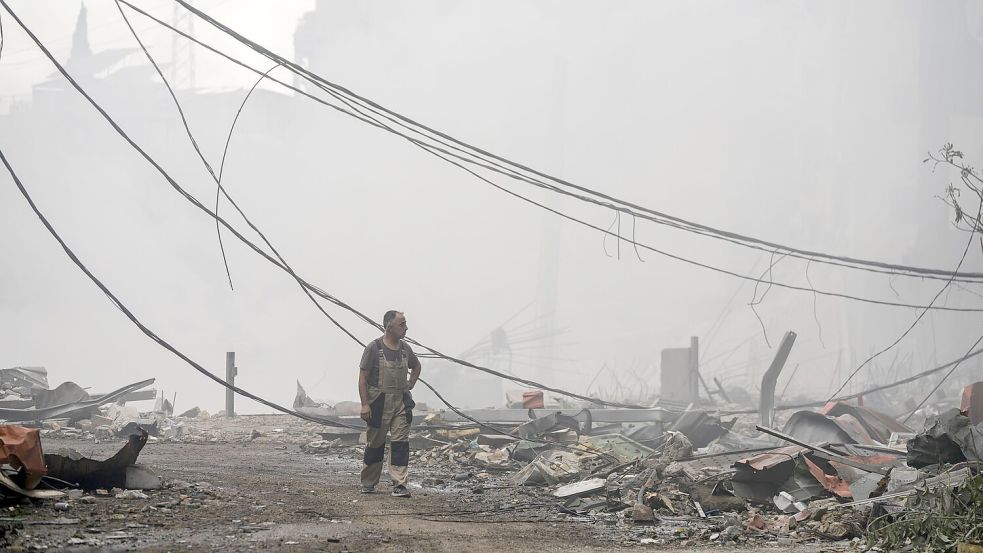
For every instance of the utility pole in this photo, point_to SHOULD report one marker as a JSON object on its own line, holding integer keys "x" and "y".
{"x": 230, "y": 377}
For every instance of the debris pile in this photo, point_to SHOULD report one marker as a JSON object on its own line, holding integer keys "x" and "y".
{"x": 843, "y": 472}
{"x": 669, "y": 474}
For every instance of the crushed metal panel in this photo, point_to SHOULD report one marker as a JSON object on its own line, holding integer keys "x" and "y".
{"x": 856, "y": 429}
{"x": 546, "y": 424}
{"x": 21, "y": 447}
{"x": 865, "y": 485}
{"x": 303, "y": 400}
{"x": 876, "y": 424}
{"x": 719, "y": 460}
{"x": 622, "y": 447}
{"x": 90, "y": 474}
{"x": 787, "y": 469}
{"x": 802, "y": 485}
{"x": 584, "y": 487}
{"x": 813, "y": 427}
{"x": 759, "y": 477}
{"x": 15, "y": 402}
{"x": 771, "y": 458}
{"x": 700, "y": 427}
{"x": 832, "y": 483}
{"x": 139, "y": 395}
{"x": 70, "y": 410}
{"x": 28, "y": 377}
{"x": 550, "y": 467}
{"x": 63, "y": 394}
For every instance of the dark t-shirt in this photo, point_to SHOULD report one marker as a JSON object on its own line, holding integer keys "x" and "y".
{"x": 370, "y": 358}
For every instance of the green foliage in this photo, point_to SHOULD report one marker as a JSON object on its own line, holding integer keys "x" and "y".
{"x": 935, "y": 520}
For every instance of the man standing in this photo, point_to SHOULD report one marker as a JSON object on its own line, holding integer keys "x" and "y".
{"x": 388, "y": 371}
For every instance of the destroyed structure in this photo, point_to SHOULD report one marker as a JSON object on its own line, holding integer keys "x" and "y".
{"x": 668, "y": 474}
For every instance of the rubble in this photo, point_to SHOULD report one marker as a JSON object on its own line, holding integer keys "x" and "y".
{"x": 669, "y": 474}
{"x": 694, "y": 476}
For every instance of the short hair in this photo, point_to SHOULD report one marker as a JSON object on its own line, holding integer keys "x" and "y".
{"x": 388, "y": 318}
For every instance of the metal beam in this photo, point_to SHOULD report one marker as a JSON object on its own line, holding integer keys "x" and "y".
{"x": 824, "y": 453}
{"x": 140, "y": 395}
{"x": 770, "y": 378}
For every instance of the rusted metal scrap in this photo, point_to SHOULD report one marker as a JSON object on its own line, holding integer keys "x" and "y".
{"x": 21, "y": 449}
{"x": 972, "y": 402}
{"x": 876, "y": 425}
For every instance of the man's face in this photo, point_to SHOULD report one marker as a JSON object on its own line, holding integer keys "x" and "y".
{"x": 398, "y": 327}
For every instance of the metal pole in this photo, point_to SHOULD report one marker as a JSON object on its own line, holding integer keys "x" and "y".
{"x": 230, "y": 377}
{"x": 770, "y": 379}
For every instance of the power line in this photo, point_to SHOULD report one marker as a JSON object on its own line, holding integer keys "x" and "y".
{"x": 969, "y": 243}
{"x": 445, "y": 155}
{"x": 875, "y": 389}
{"x": 307, "y": 287}
{"x": 194, "y": 143}
{"x": 514, "y": 168}
{"x": 221, "y": 167}
{"x": 280, "y": 264}
{"x": 143, "y": 328}
{"x": 944, "y": 378}
{"x": 208, "y": 167}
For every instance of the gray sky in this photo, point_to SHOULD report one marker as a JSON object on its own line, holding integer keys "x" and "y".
{"x": 801, "y": 122}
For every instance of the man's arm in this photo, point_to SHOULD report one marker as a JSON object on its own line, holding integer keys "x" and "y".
{"x": 363, "y": 394}
{"x": 364, "y": 365}
{"x": 415, "y": 372}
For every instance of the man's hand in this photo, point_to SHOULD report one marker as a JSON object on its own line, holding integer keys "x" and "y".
{"x": 366, "y": 413}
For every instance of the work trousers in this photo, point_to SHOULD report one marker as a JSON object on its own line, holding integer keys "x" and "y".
{"x": 391, "y": 414}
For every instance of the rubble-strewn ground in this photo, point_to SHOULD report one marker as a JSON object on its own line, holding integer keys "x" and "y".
{"x": 236, "y": 493}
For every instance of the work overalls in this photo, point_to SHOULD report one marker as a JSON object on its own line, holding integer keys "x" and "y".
{"x": 391, "y": 406}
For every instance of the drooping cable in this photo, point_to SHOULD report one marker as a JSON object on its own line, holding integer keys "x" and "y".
{"x": 421, "y": 129}
{"x": 191, "y": 137}
{"x": 914, "y": 323}
{"x": 225, "y": 151}
{"x": 304, "y": 284}
{"x": 143, "y": 328}
{"x": 201, "y": 156}
{"x": 266, "y": 256}
{"x": 942, "y": 380}
{"x": 446, "y": 156}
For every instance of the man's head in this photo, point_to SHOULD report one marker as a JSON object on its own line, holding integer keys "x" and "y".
{"x": 394, "y": 322}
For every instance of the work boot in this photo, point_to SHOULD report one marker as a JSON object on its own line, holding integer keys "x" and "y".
{"x": 400, "y": 491}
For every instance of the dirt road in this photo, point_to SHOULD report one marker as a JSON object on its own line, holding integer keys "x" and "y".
{"x": 267, "y": 496}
